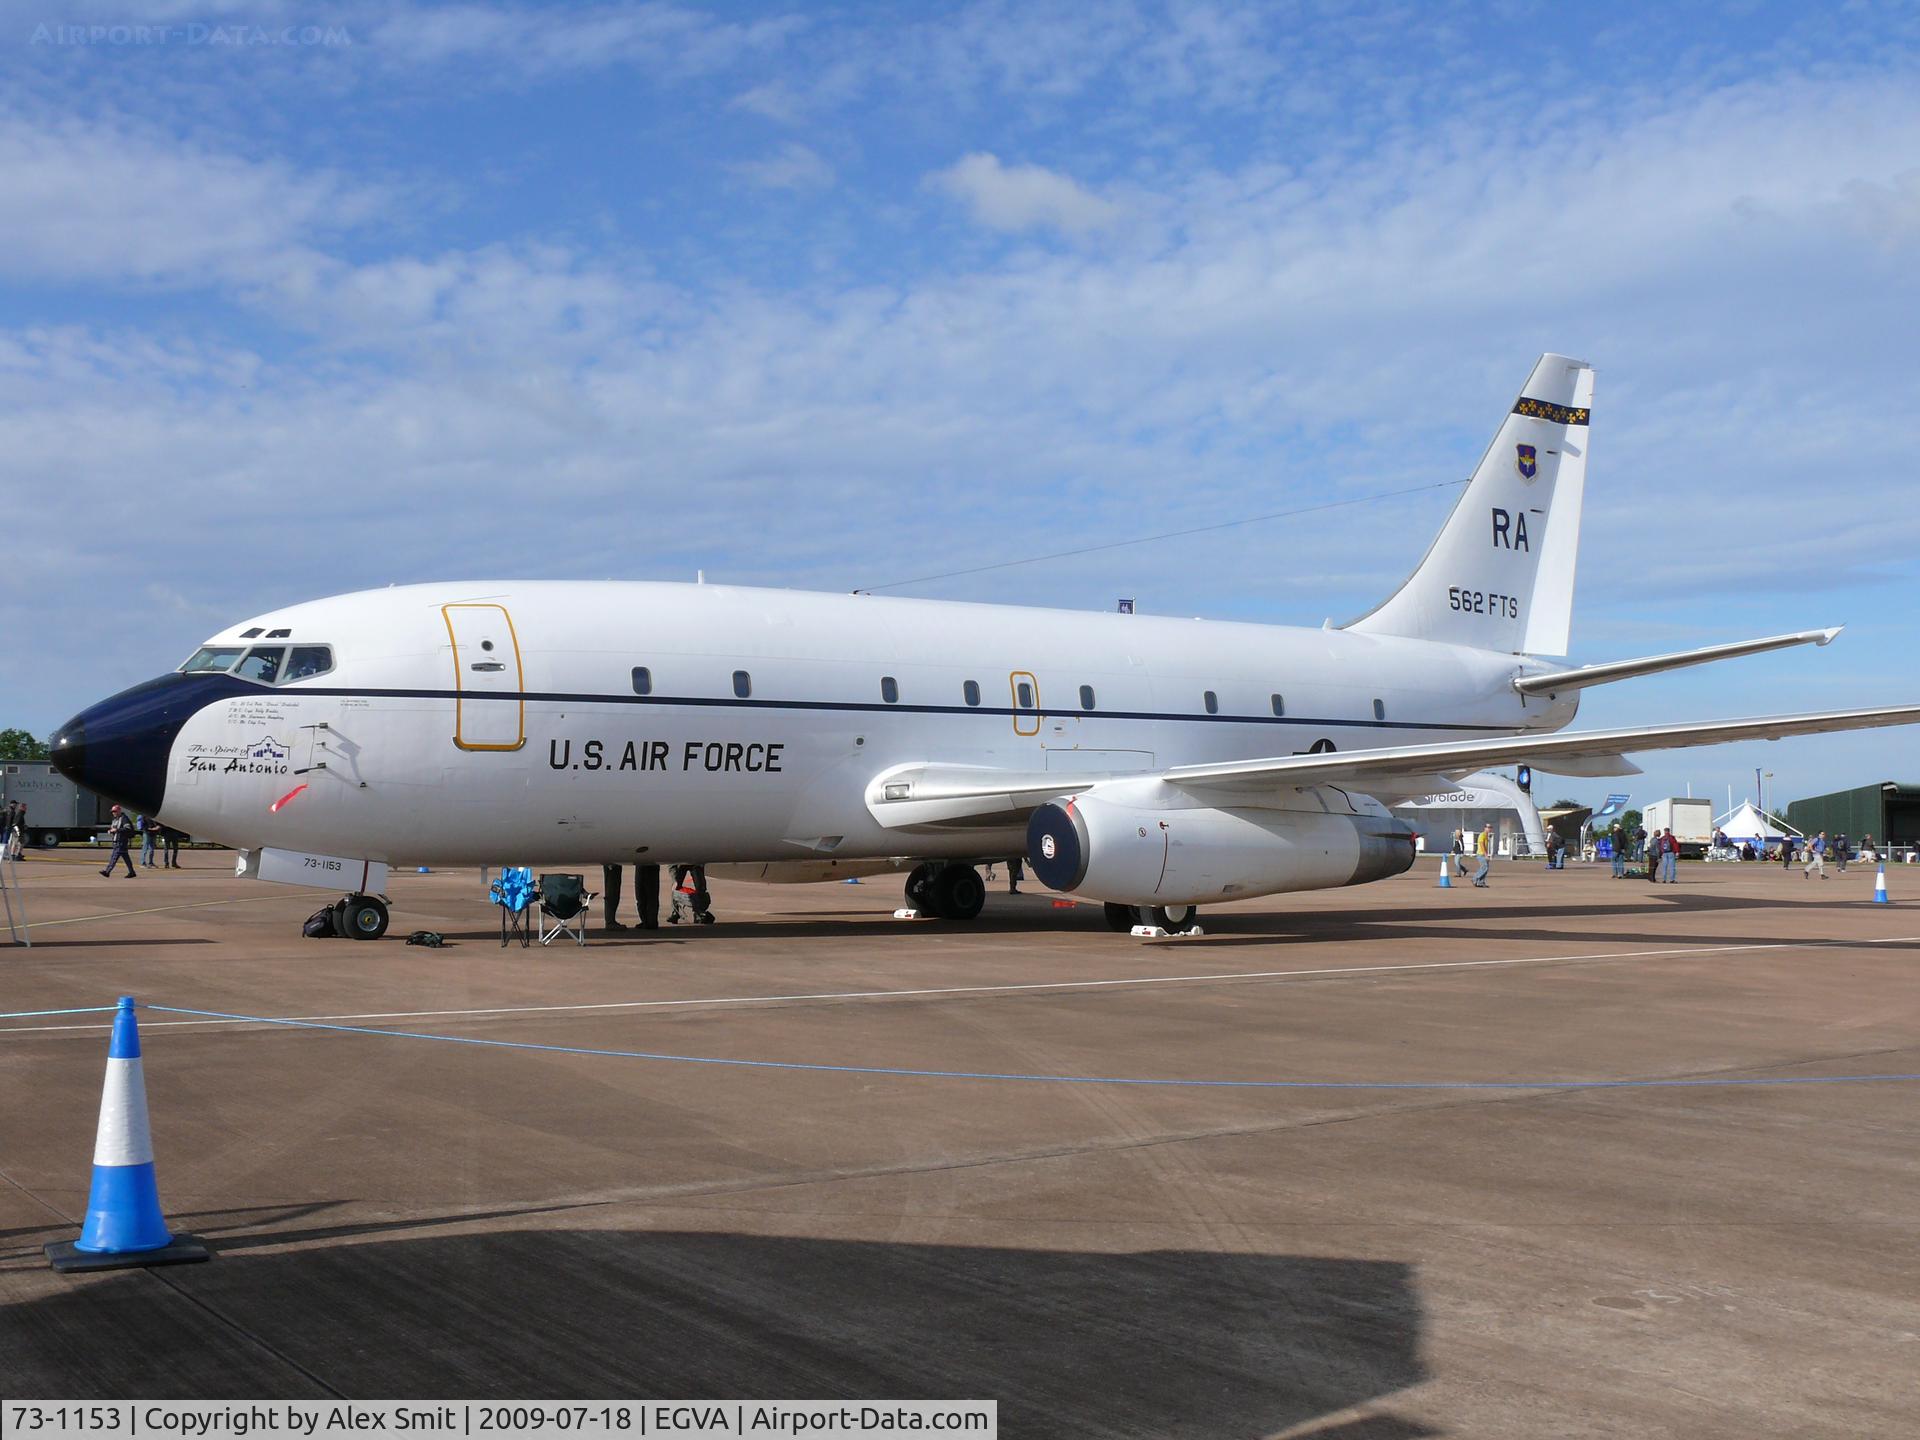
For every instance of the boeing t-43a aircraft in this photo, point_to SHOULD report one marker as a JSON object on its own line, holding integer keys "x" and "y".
{"x": 1153, "y": 764}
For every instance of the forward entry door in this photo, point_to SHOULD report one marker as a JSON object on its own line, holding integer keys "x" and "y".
{"x": 489, "y": 713}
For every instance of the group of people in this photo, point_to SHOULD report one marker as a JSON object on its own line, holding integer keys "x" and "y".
{"x": 155, "y": 838}
{"x": 1816, "y": 850}
{"x": 692, "y": 905}
{"x": 1660, "y": 850}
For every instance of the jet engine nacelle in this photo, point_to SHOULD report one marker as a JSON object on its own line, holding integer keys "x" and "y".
{"x": 1129, "y": 854}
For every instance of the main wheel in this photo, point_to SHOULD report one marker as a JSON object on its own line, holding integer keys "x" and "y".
{"x": 1174, "y": 919}
{"x": 50, "y": 840}
{"x": 1122, "y": 917}
{"x": 366, "y": 917}
{"x": 919, "y": 883}
{"x": 958, "y": 893}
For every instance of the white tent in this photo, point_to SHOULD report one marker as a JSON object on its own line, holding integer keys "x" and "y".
{"x": 1749, "y": 823}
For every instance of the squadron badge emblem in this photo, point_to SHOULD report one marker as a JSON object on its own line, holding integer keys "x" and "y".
{"x": 1523, "y": 457}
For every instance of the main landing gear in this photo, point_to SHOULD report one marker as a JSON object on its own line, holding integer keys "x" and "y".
{"x": 363, "y": 917}
{"x": 1174, "y": 919}
{"x": 948, "y": 891}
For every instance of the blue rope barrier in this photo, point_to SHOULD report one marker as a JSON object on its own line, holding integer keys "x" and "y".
{"x": 1705, "y": 1082}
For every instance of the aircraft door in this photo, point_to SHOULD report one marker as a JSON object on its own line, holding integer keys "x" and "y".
{"x": 490, "y": 713}
{"x": 1026, "y": 702}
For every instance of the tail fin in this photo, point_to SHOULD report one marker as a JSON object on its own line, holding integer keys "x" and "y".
{"x": 1500, "y": 575}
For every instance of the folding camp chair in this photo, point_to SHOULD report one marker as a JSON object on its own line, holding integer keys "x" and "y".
{"x": 564, "y": 900}
{"x": 513, "y": 892}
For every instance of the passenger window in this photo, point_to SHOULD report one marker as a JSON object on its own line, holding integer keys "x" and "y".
{"x": 642, "y": 680}
{"x": 889, "y": 689}
{"x": 1379, "y": 709}
{"x": 1279, "y": 705}
{"x": 213, "y": 659}
{"x": 742, "y": 684}
{"x": 304, "y": 661}
{"x": 1212, "y": 702}
{"x": 971, "y": 690}
{"x": 1086, "y": 697}
{"x": 1023, "y": 694}
{"x": 262, "y": 664}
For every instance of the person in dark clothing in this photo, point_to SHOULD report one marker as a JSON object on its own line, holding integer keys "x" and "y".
{"x": 1016, "y": 872}
{"x": 646, "y": 895}
{"x": 120, "y": 834}
{"x": 170, "y": 847}
{"x": 610, "y": 896}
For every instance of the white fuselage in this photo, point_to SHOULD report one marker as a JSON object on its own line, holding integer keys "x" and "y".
{"x": 490, "y": 723}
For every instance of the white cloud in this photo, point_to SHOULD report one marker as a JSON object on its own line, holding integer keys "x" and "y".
{"x": 114, "y": 201}
{"x": 1023, "y": 197}
{"x": 792, "y": 167}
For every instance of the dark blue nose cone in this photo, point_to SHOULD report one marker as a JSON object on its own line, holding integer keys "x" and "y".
{"x": 120, "y": 748}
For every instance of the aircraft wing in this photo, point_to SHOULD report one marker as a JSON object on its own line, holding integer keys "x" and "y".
{"x": 949, "y": 797}
{"x": 1542, "y": 751}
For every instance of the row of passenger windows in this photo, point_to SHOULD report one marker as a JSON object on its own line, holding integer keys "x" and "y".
{"x": 970, "y": 692}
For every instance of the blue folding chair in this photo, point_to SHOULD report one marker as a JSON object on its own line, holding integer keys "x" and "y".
{"x": 514, "y": 892}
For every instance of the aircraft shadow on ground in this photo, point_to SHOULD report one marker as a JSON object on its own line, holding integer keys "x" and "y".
{"x": 1070, "y": 1343}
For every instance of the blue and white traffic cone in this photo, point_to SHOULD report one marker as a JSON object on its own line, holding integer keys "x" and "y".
{"x": 124, "y": 1225}
{"x": 1880, "y": 886}
{"x": 1446, "y": 872}
{"x": 853, "y": 880}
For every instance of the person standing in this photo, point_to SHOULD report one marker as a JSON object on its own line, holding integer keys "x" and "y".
{"x": 1016, "y": 872}
{"x": 1670, "y": 855}
{"x": 1840, "y": 847}
{"x": 14, "y": 838}
{"x": 1816, "y": 857}
{"x": 120, "y": 835}
{"x": 1617, "y": 842}
{"x": 610, "y": 896}
{"x": 1483, "y": 849}
{"x": 169, "y": 847}
{"x": 646, "y": 895}
{"x": 148, "y": 834}
{"x": 1786, "y": 851}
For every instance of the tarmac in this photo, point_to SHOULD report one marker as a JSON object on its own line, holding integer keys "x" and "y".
{"x": 1427, "y": 1231}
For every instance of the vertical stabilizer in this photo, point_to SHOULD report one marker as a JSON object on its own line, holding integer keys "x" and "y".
{"x": 1500, "y": 575}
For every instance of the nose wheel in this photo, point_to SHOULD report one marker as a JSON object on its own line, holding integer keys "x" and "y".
{"x": 362, "y": 917}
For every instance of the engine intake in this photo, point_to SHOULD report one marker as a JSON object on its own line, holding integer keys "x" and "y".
{"x": 1127, "y": 854}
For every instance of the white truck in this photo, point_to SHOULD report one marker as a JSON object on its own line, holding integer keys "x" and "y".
{"x": 1690, "y": 820}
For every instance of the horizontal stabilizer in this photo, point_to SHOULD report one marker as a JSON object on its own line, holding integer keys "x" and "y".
{"x": 1560, "y": 682}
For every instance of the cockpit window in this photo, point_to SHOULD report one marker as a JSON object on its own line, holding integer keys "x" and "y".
{"x": 212, "y": 659}
{"x": 262, "y": 664}
{"x": 306, "y": 660}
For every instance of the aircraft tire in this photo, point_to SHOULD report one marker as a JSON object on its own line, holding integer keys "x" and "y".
{"x": 366, "y": 917}
{"x": 1122, "y": 917}
{"x": 1174, "y": 919}
{"x": 958, "y": 893}
{"x": 919, "y": 887}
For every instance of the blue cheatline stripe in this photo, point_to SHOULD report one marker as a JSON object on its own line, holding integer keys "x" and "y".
{"x": 870, "y": 707}
{"x": 1714, "y": 1082}
{"x": 36, "y": 1014}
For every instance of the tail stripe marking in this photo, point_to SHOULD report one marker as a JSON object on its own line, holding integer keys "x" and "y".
{"x": 1547, "y": 410}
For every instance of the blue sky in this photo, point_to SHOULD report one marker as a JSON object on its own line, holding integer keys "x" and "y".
{"x": 297, "y": 299}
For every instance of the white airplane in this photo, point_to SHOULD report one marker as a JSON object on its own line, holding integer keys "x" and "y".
{"x": 1153, "y": 764}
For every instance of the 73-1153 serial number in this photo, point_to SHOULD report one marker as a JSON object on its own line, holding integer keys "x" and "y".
{"x": 1484, "y": 602}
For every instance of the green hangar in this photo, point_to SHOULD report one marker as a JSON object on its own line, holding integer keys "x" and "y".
{"x": 1889, "y": 811}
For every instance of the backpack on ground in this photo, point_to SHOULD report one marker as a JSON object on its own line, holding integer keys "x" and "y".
{"x": 432, "y": 939}
{"x": 320, "y": 925}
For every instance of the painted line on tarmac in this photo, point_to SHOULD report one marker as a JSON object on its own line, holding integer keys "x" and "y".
{"x": 157, "y": 909}
{"x": 1041, "y": 1078}
{"x": 1027, "y": 987}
